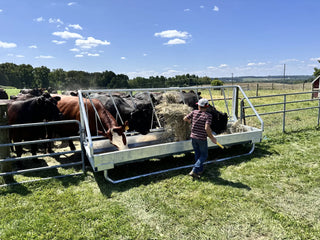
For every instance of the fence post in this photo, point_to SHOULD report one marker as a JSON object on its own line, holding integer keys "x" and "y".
{"x": 318, "y": 111}
{"x": 257, "y": 91}
{"x": 243, "y": 115}
{"x": 4, "y": 138}
{"x": 284, "y": 113}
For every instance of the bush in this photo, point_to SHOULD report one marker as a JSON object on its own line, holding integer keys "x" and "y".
{"x": 216, "y": 82}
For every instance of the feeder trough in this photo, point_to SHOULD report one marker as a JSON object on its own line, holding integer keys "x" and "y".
{"x": 103, "y": 156}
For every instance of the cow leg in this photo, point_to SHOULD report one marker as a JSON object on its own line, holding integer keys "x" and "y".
{"x": 34, "y": 149}
{"x": 71, "y": 145}
{"x": 18, "y": 151}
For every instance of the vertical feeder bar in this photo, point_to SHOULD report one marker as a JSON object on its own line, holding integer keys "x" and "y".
{"x": 4, "y": 138}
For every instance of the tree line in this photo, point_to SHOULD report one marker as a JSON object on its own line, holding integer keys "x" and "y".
{"x": 26, "y": 76}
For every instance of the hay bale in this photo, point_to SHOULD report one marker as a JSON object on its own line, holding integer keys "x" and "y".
{"x": 171, "y": 97}
{"x": 172, "y": 113}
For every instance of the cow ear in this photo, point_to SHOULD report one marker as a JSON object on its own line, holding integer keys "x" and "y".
{"x": 126, "y": 126}
{"x": 41, "y": 100}
{"x": 57, "y": 98}
{"x": 106, "y": 134}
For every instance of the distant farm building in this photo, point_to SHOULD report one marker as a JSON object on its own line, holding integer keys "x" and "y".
{"x": 315, "y": 87}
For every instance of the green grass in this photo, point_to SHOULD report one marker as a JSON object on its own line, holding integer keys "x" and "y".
{"x": 12, "y": 91}
{"x": 272, "y": 194}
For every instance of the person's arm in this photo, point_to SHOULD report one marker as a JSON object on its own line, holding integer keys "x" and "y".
{"x": 186, "y": 119}
{"x": 209, "y": 133}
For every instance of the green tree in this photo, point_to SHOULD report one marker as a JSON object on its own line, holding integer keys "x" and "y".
{"x": 119, "y": 81}
{"x": 25, "y": 72}
{"x": 57, "y": 78}
{"x": 41, "y": 77}
{"x": 9, "y": 74}
{"x": 316, "y": 72}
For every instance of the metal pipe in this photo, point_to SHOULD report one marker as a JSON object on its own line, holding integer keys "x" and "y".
{"x": 174, "y": 169}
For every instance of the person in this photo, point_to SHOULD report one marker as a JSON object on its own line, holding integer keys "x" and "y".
{"x": 200, "y": 130}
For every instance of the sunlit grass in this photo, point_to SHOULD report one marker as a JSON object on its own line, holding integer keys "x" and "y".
{"x": 272, "y": 194}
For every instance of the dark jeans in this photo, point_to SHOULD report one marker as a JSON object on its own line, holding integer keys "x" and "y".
{"x": 200, "y": 148}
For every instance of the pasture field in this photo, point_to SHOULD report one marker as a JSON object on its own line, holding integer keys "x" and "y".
{"x": 272, "y": 194}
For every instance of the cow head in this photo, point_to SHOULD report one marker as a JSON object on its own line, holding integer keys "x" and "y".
{"x": 219, "y": 120}
{"x": 140, "y": 120}
{"x": 116, "y": 136}
{"x": 48, "y": 107}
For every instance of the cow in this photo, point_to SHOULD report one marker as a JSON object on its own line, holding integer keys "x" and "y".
{"x": 139, "y": 120}
{"x": 3, "y": 94}
{"x": 219, "y": 120}
{"x": 108, "y": 127}
{"x": 27, "y": 94}
{"x": 37, "y": 109}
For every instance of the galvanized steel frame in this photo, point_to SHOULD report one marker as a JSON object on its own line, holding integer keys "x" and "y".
{"x": 255, "y": 134}
{"x": 40, "y": 124}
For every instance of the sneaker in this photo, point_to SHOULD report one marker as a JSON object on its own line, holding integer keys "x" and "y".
{"x": 194, "y": 175}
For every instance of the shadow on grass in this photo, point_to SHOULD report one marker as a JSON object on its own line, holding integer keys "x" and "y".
{"x": 18, "y": 183}
{"x": 212, "y": 171}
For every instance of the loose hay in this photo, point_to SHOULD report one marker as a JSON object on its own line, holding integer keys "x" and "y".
{"x": 236, "y": 127}
{"x": 173, "y": 113}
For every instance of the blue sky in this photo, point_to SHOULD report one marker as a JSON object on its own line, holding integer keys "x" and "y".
{"x": 215, "y": 38}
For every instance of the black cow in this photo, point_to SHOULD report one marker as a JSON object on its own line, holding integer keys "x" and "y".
{"x": 25, "y": 94}
{"x": 139, "y": 119}
{"x": 3, "y": 94}
{"x": 38, "y": 109}
{"x": 219, "y": 120}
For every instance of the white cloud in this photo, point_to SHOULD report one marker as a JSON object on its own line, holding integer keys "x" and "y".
{"x": 39, "y": 19}
{"x": 90, "y": 42}
{"x": 171, "y": 73}
{"x": 75, "y": 26}
{"x": 58, "y": 42}
{"x": 223, "y": 65}
{"x": 33, "y": 46}
{"x": 175, "y": 41}
{"x": 172, "y": 34}
{"x": 1, "y": 10}
{"x": 72, "y": 3}
{"x": 74, "y": 50}
{"x": 187, "y": 10}
{"x": 212, "y": 68}
{"x": 201, "y": 6}
{"x": 93, "y": 54}
{"x": 67, "y": 35}
{"x": 145, "y": 54}
{"x": 19, "y": 56}
{"x": 256, "y": 64}
{"x": 123, "y": 58}
{"x": 78, "y": 55}
{"x": 7, "y": 45}
{"x": 216, "y": 9}
{"x": 45, "y": 57}
{"x": 55, "y": 20}
{"x": 315, "y": 59}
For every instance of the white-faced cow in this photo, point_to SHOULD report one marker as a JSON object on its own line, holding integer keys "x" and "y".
{"x": 108, "y": 127}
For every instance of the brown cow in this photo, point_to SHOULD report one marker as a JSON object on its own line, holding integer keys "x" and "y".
{"x": 69, "y": 107}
